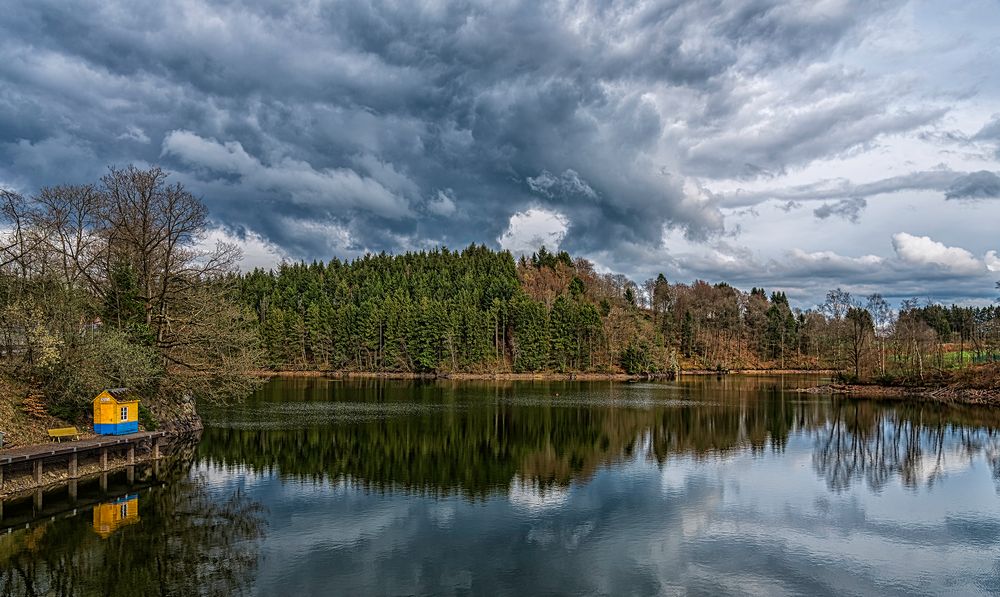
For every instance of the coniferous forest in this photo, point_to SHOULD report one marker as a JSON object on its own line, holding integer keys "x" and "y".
{"x": 480, "y": 310}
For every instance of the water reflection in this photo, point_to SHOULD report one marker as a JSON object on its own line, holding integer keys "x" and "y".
{"x": 111, "y": 516}
{"x": 481, "y": 439}
{"x": 919, "y": 444}
{"x": 731, "y": 486}
{"x": 175, "y": 539}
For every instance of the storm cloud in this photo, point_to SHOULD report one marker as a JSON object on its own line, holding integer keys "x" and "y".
{"x": 849, "y": 209}
{"x": 329, "y": 128}
{"x": 976, "y": 185}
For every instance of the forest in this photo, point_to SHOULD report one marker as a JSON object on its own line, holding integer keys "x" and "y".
{"x": 110, "y": 284}
{"x": 104, "y": 285}
{"x": 480, "y": 310}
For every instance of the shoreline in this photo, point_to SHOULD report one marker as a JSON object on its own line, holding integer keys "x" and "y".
{"x": 939, "y": 394}
{"x": 540, "y": 376}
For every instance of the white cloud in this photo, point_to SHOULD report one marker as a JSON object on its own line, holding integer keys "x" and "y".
{"x": 134, "y": 133}
{"x": 829, "y": 260}
{"x": 443, "y": 205}
{"x": 229, "y": 157}
{"x": 257, "y": 252}
{"x": 992, "y": 261}
{"x": 530, "y": 229}
{"x": 922, "y": 250}
{"x": 333, "y": 187}
{"x": 336, "y": 237}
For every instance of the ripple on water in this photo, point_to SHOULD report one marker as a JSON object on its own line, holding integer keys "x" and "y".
{"x": 282, "y": 415}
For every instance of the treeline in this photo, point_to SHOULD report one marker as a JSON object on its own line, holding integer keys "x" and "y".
{"x": 104, "y": 285}
{"x": 479, "y": 310}
{"x": 109, "y": 284}
{"x": 443, "y": 311}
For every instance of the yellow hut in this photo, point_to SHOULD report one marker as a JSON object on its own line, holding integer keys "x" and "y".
{"x": 111, "y": 516}
{"x": 114, "y": 413}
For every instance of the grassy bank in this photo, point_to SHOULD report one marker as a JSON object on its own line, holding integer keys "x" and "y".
{"x": 21, "y": 421}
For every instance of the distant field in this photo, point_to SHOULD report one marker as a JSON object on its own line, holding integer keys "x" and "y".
{"x": 957, "y": 358}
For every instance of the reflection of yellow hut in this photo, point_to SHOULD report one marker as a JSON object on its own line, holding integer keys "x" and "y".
{"x": 111, "y": 516}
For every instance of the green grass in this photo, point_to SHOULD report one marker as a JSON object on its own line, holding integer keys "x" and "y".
{"x": 958, "y": 358}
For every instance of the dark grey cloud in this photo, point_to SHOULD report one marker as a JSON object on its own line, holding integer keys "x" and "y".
{"x": 845, "y": 190}
{"x": 849, "y": 209}
{"x": 975, "y": 185}
{"x": 377, "y": 125}
{"x": 990, "y": 133}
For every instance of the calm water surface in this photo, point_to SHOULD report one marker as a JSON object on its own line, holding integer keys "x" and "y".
{"x": 710, "y": 486}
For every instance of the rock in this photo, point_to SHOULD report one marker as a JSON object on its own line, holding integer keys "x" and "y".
{"x": 176, "y": 415}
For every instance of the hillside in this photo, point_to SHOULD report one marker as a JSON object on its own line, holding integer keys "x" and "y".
{"x": 479, "y": 310}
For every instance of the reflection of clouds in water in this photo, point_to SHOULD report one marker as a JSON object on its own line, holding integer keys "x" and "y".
{"x": 443, "y": 514}
{"x": 219, "y": 476}
{"x": 734, "y": 498}
{"x": 883, "y": 447}
{"x": 549, "y": 535}
{"x": 932, "y": 468}
{"x": 674, "y": 473}
{"x": 532, "y": 496}
{"x": 755, "y": 543}
{"x": 639, "y": 528}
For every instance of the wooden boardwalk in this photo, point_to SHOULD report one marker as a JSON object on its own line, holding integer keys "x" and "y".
{"x": 29, "y": 453}
{"x": 37, "y": 454}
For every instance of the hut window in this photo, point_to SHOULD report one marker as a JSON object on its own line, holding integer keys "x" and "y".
{"x": 124, "y": 413}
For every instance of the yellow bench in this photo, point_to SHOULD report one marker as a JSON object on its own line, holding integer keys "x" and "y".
{"x": 60, "y": 433}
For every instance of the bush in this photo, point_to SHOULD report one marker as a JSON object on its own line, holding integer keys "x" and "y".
{"x": 146, "y": 418}
{"x": 846, "y": 377}
{"x": 107, "y": 360}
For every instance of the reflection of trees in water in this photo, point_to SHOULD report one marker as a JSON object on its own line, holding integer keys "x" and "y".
{"x": 188, "y": 542}
{"x": 475, "y": 439}
{"x": 919, "y": 443}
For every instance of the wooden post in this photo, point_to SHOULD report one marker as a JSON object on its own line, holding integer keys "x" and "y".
{"x": 130, "y": 472}
{"x": 38, "y": 500}
{"x": 38, "y": 472}
{"x": 104, "y": 459}
{"x": 156, "y": 448}
{"x": 72, "y": 465}
{"x": 72, "y": 490}
{"x": 131, "y": 454}
{"x": 104, "y": 482}
{"x": 1, "y": 476}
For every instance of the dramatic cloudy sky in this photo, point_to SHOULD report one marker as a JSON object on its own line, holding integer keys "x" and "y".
{"x": 795, "y": 145}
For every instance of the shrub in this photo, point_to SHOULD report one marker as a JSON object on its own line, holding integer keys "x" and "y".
{"x": 146, "y": 418}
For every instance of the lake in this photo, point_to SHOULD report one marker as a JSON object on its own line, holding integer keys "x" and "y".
{"x": 732, "y": 485}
